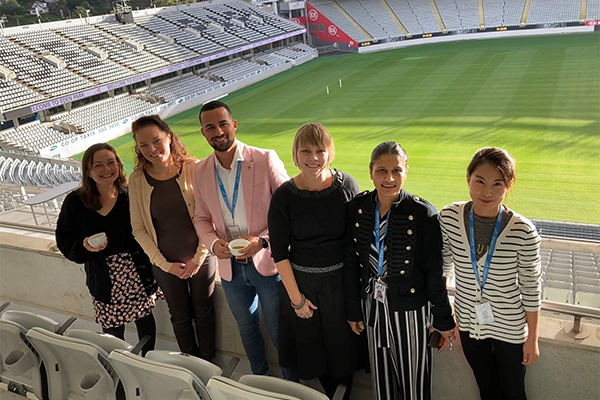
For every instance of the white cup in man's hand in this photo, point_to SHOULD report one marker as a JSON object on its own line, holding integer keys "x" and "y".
{"x": 236, "y": 245}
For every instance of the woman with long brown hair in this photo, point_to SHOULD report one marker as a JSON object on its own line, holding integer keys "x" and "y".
{"x": 162, "y": 210}
{"x": 119, "y": 274}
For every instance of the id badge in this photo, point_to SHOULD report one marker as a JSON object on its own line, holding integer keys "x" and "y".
{"x": 233, "y": 232}
{"x": 380, "y": 292}
{"x": 484, "y": 313}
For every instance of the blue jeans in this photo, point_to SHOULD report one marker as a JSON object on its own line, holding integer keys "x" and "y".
{"x": 244, "y": 292}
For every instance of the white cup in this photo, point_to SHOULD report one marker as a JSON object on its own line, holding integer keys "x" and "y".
{"x": 97, "y": 240}
{"x": 236, "y": 245}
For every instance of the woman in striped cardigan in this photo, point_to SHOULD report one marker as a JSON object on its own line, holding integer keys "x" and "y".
{"x": 495, "y": 256}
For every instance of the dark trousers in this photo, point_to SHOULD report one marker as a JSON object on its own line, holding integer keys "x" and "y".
{"x": 145, "y": 326}
{"x": 497, "y": 367}
{"x": 191, "y": 305}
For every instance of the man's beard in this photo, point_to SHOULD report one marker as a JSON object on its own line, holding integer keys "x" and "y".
{"x": 222, "y": 146}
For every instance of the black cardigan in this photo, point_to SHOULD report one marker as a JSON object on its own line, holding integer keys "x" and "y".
{"x": 77, "y": 222}
{"x": 414, "y": 257}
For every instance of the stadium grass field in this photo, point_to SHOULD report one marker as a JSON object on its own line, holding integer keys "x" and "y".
{"x": 537, "y": 97}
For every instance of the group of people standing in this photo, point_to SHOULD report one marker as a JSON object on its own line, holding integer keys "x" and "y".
{"x": 345, "y": 280}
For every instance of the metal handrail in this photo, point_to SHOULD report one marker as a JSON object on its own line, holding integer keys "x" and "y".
{"x": 567, "y": 309}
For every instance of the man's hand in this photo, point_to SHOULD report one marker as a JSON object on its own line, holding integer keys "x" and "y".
{"x": 254, "y": 247}
{"x": 221, "y": 249}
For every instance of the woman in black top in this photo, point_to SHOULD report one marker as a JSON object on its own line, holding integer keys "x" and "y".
{"x": 394, "y": 280}
{"x": 307, "y": 227}
{"x": 118, "y": 273}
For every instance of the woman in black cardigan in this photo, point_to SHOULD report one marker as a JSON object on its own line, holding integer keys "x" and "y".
{"x": 394, "y": 281}
{"x": 118, "y": 273}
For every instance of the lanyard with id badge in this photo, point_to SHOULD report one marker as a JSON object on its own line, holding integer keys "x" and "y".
{"x": 380, "y": 290}
{"x": 483, "y": 309}
{"x": 233, "y": 231}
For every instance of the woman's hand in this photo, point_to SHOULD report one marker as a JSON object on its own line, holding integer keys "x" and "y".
{"x": 89, "y": 247}
{"x": 307, "y": 310}
{"x": 450, "y": 336}
{"x": 190, "y": 269}
{"x": 357, "y": 326}
{"x": 531, "y": 351}
{"x": 177, "y": 269}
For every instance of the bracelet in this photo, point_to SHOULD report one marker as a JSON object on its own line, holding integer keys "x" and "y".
{"x": 302, "y": 303}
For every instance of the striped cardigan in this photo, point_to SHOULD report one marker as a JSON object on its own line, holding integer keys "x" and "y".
{"x": 513, "y": 285}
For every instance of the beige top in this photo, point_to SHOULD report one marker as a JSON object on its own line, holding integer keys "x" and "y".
{"x": 141, "y": 218}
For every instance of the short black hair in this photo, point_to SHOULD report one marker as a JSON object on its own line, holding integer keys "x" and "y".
{"x": 213, "y": 105}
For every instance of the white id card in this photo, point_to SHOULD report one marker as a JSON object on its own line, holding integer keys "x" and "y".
{"x": 380, "y": 292}
{"x": 233, "y": 232}
{"x": 484, "y": 313}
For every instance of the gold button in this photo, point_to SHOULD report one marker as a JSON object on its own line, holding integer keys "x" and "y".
{"x": 357, "y": 224}
{"x": 410, "y": 217}
{"x": 355, "y": 240}
{"x": 406, "y": 261}
{"x": 408, "y": 231}
{"x": 412, "y": 290}
{"x": 408, "y": 248}
{"x": 402, "y": 272}
{"x": 359, "y": 211}
{"x": 416, "y": 198}
{"x": 357, "y": 253}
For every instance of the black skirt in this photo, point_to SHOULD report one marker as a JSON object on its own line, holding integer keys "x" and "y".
{"x": 324, "y": 343}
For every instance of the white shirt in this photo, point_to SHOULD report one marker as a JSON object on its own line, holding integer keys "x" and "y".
{"x": 228, "y": 178}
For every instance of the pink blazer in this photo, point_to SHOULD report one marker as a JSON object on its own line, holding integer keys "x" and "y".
{"x": 262, "y": 173}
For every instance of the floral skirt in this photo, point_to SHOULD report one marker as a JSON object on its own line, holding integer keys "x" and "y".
{"x": 128, "y": 299}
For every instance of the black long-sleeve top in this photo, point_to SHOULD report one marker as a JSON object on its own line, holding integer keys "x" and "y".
{"x": 413, "y": 256}
{"x": 309, "y": 227}
{"x": 76, "y": 222}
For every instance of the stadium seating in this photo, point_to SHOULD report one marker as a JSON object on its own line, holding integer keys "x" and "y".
{"x": 20, "y": 363}
{"x": 173, "y": 90}
{"x": 552, "y": 11}
{"x": 570, "y": 277}
{"x": 338, "y": 18}
{"x": 26, "y": 170}
{"x": 459, "y": 15}
{"x": 32, "y": 136}
{"x": 503, "y": 13}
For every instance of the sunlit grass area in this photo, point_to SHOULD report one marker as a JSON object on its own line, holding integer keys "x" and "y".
{"x": 537, "y": 97}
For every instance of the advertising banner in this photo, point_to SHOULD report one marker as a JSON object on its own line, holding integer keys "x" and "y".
{"x": 325, "y": 30}
{"x": 299, "y": 20}
{"x": 592, "y": 23}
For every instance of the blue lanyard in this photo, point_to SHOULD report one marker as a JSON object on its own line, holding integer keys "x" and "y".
{"x": 488, "y": 259}
{"x": 380, "y": 245}
{"x": 231, "y": 207}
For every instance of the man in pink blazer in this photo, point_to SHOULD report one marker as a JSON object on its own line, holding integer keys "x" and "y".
{"x": 233, "y": 188}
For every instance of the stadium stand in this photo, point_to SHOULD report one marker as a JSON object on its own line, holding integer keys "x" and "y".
{"x": 553, "y": 11}
{"x": 503, "y": 13}
{"x": 32, "y": 136}
{"x": 568, "y": 230}
{"x": 459, "y": 15}
{"x": 102, "y": 113}
{"x": 337, "y": 17}
{"x": 363, "y": 15}
{"x": 571, "y": 277}
{"x": 593, "y": 10}
{"x": 169, "y": 91}
{"x": 25, "y": 170}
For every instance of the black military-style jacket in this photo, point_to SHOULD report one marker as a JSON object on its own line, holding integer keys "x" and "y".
{"x": 413, "y": 257}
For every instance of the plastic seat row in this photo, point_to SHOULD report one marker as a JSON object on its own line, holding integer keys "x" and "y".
{"x": 79, "y": 365}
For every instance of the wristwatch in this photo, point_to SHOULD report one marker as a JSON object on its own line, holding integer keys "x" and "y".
{"x": 265, "y": 244}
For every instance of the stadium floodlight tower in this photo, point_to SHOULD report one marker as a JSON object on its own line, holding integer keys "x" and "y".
{"x": 122, "y": 11}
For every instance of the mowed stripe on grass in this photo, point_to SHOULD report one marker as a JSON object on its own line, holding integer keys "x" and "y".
{"x": 537, "y": 97}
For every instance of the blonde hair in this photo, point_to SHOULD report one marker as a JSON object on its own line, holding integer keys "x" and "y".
{"x": 314, "y": 134}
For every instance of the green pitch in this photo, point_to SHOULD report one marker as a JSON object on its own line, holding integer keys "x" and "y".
{"x": 537, "y": 97}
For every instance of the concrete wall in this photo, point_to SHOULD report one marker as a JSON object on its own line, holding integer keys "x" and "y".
{"x": 33, "y": 273}
{"x": 477, "y": 36}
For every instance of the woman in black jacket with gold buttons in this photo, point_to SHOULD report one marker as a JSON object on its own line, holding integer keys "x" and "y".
{"x": 394, "y": 283}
